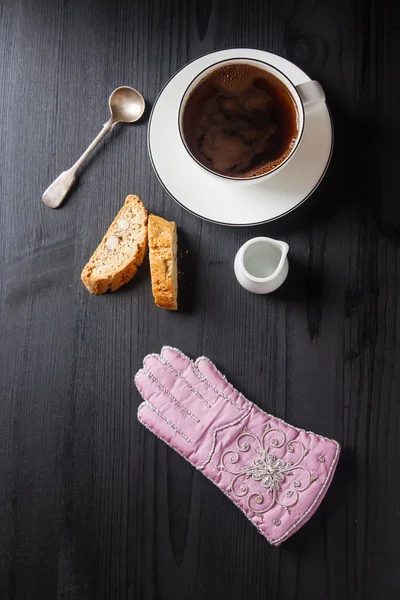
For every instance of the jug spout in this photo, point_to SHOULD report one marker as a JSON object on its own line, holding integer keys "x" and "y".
{"x": 284, "y": 247}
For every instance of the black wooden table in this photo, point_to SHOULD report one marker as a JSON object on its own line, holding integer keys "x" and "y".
{"x": 92, "y": 506}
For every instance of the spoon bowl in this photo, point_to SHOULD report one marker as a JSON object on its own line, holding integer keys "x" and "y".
{"x": 126, "y": 105}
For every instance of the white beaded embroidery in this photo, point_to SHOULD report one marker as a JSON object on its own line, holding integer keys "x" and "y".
{"x": 268, "y": 470}
{"x": 155, "y": 410}
{"x": 189, "y": 385}
{"x": 168, "y": 393}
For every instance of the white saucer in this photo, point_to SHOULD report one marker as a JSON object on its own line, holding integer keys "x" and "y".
{"x": 222, "y": 201}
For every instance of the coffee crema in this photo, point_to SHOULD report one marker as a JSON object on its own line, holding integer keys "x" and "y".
{"x": 240, "y": 121}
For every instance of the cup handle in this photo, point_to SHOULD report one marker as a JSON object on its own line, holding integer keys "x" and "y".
{"x": 312, "y": 95}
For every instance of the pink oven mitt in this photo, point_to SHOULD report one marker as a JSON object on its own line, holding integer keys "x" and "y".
{"x": 275, "y": 473}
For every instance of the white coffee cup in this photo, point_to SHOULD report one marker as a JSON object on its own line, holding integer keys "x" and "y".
{"x": 306, "y": 97}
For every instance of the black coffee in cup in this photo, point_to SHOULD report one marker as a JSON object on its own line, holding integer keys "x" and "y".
{"x": 240, "y": 121}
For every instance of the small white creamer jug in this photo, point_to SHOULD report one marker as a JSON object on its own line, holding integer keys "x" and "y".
{"x": 261, "y": 265}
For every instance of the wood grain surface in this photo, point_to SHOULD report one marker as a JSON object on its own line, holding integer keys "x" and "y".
{"x": 92, "y": 506}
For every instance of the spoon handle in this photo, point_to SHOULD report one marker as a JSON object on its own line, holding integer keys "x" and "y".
{"x": 57, "y": 191}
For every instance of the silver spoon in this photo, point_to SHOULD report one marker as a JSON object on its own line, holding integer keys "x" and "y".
{"x": 126, "y": 106}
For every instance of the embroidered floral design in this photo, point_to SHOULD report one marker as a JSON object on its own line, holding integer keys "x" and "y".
{"x": 269, "y": 470}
